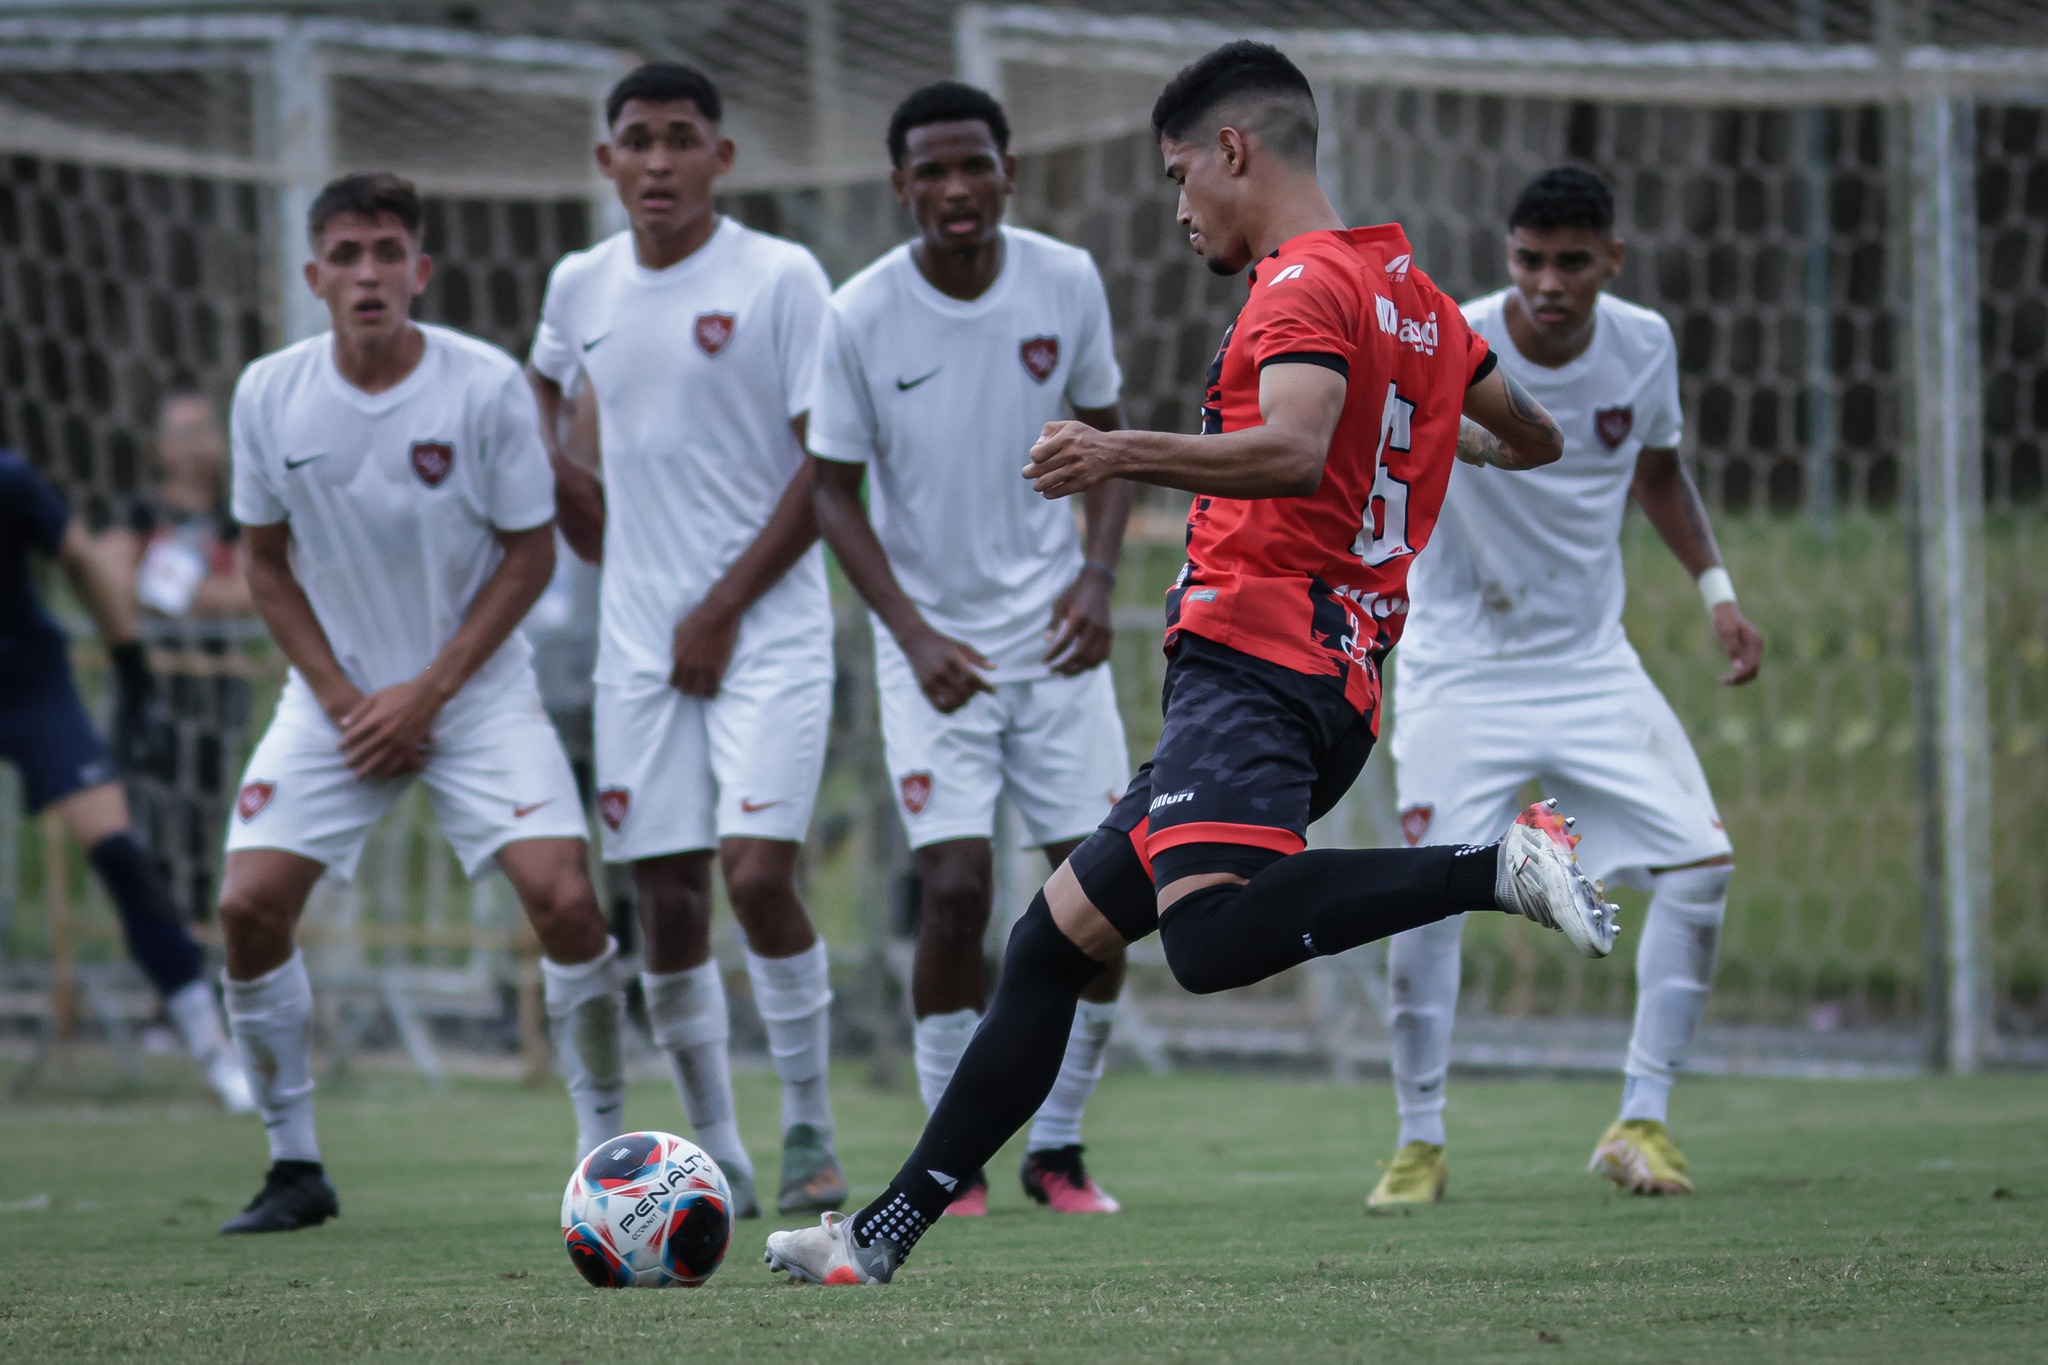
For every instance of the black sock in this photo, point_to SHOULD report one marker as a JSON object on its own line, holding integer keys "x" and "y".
{"x": 1318, "y": 902}
{"x": 157, "y": 938}
{"x": 1005, "y": 1074}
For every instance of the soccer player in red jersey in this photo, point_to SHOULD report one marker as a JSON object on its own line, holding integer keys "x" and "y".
{"x": 1334, "y": 410}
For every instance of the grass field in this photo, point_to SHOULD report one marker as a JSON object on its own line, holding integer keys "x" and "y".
{"x": 1864, "y": 1222}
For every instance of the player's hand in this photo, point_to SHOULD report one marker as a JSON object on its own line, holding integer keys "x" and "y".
{"x": 702, "y": 650}
{"x": 391, "y": 731}
{"x": 1070, "y": 458}
{"x": 1744, "y": 645}
{"x": 948, "y": 672}
{"x": 143, "y": 738}
{"x": 1081, "y": 633}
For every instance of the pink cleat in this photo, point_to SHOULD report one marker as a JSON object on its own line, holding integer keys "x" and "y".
{"x": 972, "y": 1200}
{"x": 1057, "y": 1179}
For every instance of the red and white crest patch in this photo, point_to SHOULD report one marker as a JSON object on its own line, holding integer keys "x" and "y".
{"x": 917, "y": 792}
{"x": 254, "y": 796}
{"x": 1612, "y": 425}
{"x": 1041, "y": 356}
{"x": 1415, "y": 823}
{"x": 612, "y": 805}
{"x": 432, "y": 461}
{"x": 714, "y": 331}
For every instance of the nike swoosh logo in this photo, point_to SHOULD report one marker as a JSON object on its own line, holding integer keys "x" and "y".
{"x": 290, "y": 463}
{"x": 592, "y": 343}
{"x": 751, "y": 807}
{"x": 906, "y": 385}
{"x": 521, "y": 812}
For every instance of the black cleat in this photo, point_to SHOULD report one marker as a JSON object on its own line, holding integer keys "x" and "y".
{"x": 295, "y": 1195}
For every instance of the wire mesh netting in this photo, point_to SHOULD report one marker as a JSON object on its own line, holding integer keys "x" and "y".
{"x": 140, "y": 247}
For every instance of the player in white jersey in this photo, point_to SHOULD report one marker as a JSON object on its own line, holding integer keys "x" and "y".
{"x": 942, "y": 363}
{"x": 699, "y": 338}
{"x": 400, "y": 522}
{"x": 1515, "y": 668}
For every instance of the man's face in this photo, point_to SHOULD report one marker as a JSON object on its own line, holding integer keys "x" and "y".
{"x": 664, "y": 158}
{"x": 368, "y": 271}
{"x": 1209, "y": 198}
{"x": 1561, "y": 272}
{"x": 189, "y": 441}
{"x": 956, "y": 183}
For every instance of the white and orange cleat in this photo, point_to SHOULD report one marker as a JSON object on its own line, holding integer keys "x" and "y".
{"x": 1540, "y": 880}
{"x": 1057, "y": 1179}
{"x": 827, "y": 1254}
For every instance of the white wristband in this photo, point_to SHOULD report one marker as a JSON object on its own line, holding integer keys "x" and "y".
{"x": 1716, "y": 587}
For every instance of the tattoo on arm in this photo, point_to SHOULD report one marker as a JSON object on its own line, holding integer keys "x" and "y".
{"x": 1526, "y": 409}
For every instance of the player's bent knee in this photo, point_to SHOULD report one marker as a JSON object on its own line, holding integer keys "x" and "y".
{"x": 1698, "y": 893}
{"x": 1203, "y": 960}
{"x": 1040, "y": 953}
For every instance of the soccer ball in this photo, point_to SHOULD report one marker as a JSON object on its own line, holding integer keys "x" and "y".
{"x": 647, "y": 1210}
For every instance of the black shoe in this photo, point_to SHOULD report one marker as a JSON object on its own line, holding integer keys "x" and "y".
{"x": 295, "y": 1195}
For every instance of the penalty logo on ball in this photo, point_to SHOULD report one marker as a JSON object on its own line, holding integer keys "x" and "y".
{"x": 648, "y": 1211}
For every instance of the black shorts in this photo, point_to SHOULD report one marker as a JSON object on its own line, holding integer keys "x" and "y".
{"x": 45, "y": 732}
{"x": 1250, "y": 755}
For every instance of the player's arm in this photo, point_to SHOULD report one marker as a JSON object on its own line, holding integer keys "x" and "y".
{"x": 1671, "y": 500}
{"x": 948, "y": 672}
{"x": 389, "y": 732}
{"x": 1082, "y": 630}
{"x": 1506, "y": 428}
{"x": 140, "y": 733}
{"x": 579, "y": 492}
{"x": 281, "y": 601}
{"x": 1282, "y": 457}
{"x": 705, "y": 638}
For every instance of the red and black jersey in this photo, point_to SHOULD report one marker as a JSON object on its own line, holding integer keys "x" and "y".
{"x": 1318, "y": 584}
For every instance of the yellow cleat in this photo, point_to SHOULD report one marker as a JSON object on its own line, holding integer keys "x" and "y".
{"x": 1416, "y": 1175}
{"x": 1639, "y": 1156}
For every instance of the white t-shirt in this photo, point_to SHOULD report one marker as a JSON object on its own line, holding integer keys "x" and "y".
{"x": 944, "y": 398}
{"x": 395, "y": 499}
{"x": 699, "y": 370}
{"x": 1522, "y": 583}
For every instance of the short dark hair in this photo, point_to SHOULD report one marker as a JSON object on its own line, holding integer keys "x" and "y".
{"x": 368, "y": 194}
{"x": 945, "y": 102}
{"x": 659, "y": 82}
{"x": 1564, "y": 197}
{"x": 1236, "y": 70}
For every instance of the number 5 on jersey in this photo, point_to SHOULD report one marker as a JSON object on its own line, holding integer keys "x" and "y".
{"x": 1384, "y": 533}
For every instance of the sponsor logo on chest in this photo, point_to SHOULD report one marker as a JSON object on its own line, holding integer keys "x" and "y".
{"x": 433, "y": 461}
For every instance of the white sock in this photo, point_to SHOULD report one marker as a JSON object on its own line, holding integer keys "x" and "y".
{"x": 687, "y": 1015}
{"x": 269, "y": 1018}
{"x": 794, "y": 996}
{"x": 1058, "y": 1122}
{"x": 1422, "y": 983}
{"x": 938, "y": 1041}
{"x": 1674, "y": 968}
{"x": 196, "y": 1014}
{"x": 585, "y": 1007}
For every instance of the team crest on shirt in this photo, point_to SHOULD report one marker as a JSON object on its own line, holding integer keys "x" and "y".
{"x": 917, "y": 792}
{"x": 1612, "y": 425}
{"x": 612, "y": 805}
{"x": 433, "y": 461}
{"x": 1041, "y": 356}
{"x": 1415, "y": 823}
{"x": 714, "y": 331}
{"x": 254, "y": 796}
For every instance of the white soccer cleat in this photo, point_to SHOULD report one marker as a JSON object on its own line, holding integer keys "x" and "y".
{"x": 1540, "y": 880}
{"x": 229, "y": 1081}
{"x": 827, "y": 1254}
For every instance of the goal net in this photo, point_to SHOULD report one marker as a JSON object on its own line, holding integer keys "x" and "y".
{"x": 1840, "y": 205}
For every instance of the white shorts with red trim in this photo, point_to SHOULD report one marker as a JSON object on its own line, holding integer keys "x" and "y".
{"x": 497, "y": 775}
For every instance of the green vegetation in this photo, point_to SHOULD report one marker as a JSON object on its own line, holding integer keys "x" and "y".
{"x": 1862, "y": 1222}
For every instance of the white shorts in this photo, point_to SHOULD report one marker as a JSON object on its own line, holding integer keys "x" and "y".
{"x": 678, "y": 773}
{"x": 1618, "y": 760}
{"x": 1054, "y": 746}
{"x": 497, "y": 775}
